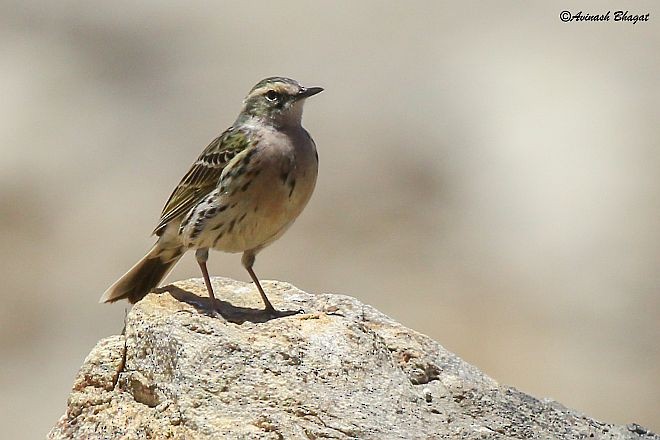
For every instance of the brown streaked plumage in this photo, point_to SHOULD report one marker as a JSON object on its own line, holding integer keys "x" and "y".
{"x": 241, "y": 194}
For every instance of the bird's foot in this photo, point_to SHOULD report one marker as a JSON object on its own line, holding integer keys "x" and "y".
{"x": 213, "y": 310}
{"x": 274, "y": 313}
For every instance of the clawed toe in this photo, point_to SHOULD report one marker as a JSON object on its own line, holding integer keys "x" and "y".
{"x": 274, "y": 313}
{"x": 214, "y": 312}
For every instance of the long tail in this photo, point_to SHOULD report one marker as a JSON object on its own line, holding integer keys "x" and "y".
{"x": 144, "y": 276}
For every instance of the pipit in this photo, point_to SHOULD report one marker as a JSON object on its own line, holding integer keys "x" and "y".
{"x": 241, "y": 194}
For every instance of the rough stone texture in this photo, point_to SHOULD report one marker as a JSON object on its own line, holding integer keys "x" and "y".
{"x": 339, "y": 370}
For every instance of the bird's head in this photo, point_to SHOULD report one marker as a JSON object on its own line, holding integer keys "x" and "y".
{"x": 277, "y": 101}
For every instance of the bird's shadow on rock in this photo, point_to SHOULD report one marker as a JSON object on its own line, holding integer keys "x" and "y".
{"x": 223, "y": 309}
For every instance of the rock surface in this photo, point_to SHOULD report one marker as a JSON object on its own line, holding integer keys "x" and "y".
{"x": 339, "y": 370}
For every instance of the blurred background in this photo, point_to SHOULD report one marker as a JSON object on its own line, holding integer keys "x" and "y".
{"x": 489, "y": 176}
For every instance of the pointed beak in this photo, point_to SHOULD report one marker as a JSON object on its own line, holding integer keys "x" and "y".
{"x": 306, "y": 92}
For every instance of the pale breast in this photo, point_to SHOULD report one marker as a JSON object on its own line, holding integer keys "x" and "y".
{"x": 258, "y": 200}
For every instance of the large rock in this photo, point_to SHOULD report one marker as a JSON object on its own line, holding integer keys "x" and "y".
{"x": 339, "y": 370}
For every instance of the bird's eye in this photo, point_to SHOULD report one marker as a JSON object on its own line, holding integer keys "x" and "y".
{"x": 272, "y": 95}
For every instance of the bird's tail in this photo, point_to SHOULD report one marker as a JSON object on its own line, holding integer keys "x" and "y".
{"x": 145, "y": 275}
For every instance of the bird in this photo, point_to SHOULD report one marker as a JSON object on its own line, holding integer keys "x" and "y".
{"x": 241, "y": 194}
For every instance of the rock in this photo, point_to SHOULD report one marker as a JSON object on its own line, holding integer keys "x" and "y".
{"x": 339, "y": 370}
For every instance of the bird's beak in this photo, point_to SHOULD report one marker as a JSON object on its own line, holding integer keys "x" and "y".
{"x": 306, "y": 92}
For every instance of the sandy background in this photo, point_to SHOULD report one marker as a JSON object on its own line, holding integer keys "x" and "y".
{"x": 490, "y": 176}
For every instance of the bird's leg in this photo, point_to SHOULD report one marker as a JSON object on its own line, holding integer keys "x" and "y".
{"x": 202, "y": 256}
{"x": 248, "y": 262}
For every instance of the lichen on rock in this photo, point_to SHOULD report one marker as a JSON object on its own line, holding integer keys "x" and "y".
{"x": 338, "y": 369}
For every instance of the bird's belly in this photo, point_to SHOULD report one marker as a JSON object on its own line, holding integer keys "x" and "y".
{"x": 251, "y": 210}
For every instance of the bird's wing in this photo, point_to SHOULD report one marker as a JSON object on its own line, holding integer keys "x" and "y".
{"x": 203, "y": 176}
